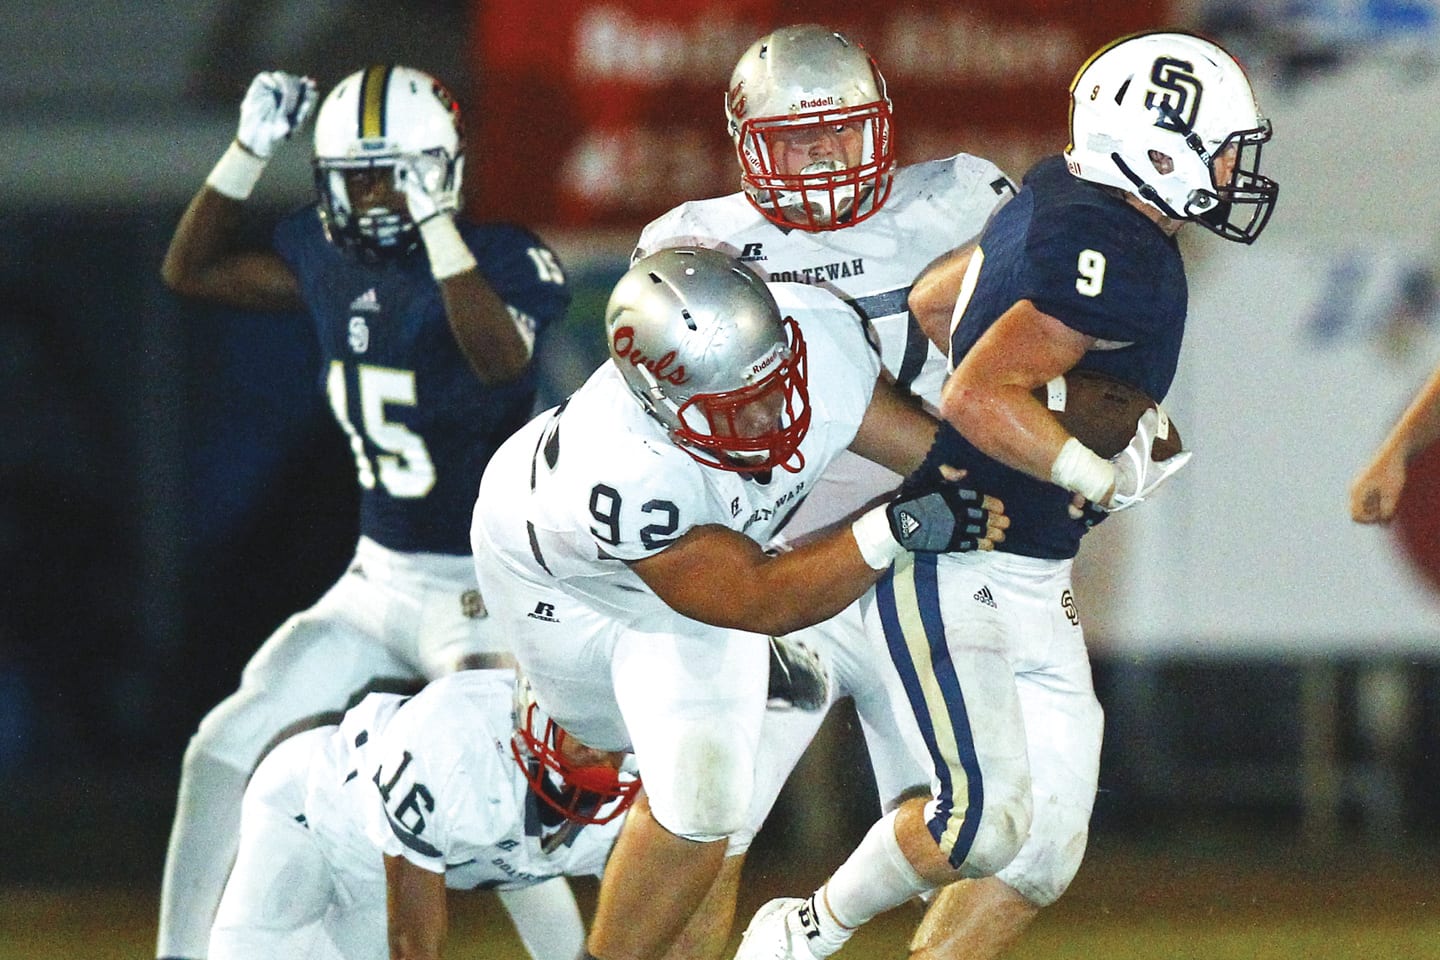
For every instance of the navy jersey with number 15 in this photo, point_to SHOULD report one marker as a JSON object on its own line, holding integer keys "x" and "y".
{"x": 420, "y": 423}
{"x": 1101, "y": 267}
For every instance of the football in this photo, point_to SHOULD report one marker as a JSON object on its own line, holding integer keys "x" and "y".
{"x": 1101, "y": 413}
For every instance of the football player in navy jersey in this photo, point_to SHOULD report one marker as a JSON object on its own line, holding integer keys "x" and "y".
{"x": 1080, "y": 271}
{"x": 426, "y": 325}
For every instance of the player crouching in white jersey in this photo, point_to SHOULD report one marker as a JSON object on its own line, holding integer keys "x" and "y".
{"x": 618, "y": 538}
{"x": 347, "y": 830}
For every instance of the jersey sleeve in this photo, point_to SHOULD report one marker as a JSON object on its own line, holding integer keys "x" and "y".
{"x": 441, "y": 784}
{"x": 976, "y": 176}
{"x": 1094, "y": 269}
{"x": 293, "y": 238}
{"x": 523, "y": 271}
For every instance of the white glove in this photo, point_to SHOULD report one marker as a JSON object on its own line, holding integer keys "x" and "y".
{"x": 421, "y": 177}
{"x": 1136, "y": 475}
{"x": 274, "y": 107}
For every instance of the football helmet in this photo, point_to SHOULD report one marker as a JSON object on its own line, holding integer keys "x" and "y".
{"x": 579, "y": 794}
{"x": 805, "y": 85}
{"x": 372, "y": 117}
{"x": 1152, "y": 113}
{"x": 700, "y": 341}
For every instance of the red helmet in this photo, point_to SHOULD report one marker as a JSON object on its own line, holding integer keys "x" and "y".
{"x": 580, "y": 794}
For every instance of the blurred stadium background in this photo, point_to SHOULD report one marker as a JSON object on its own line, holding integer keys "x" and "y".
{"x": 173, "y": 486}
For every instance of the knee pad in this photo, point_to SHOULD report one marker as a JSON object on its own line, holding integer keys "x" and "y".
{"x": 999, "y": 836}
{"x": 701, "y": 791}
{"x": 1042, "y": 870}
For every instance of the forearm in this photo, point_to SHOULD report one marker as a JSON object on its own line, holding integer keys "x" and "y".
{"x": 717, "y": 576}
{"x": 933, "y": 295}
{"x": 1006, "y": 424}
{"x": 415, "y": 909}
{"x": 486, "y": 333}
{"x": 1418, "y": 426}
{"x": 896, "y": 431}
{"x": 789, "y": 596}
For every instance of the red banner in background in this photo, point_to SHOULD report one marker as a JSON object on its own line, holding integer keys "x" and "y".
{"x": 606, "y": 113}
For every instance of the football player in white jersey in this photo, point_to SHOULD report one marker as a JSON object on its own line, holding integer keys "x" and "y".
{"x": 618, "y": 536}
{"x": 351, "y": 834}
{"x": 823, "y": 202}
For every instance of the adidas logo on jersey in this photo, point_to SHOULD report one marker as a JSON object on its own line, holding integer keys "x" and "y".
{"x": 986, "y": 597}
{"x": 367, "y": 301}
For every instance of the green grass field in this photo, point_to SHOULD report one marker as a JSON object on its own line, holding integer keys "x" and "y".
{"x": 1125, "y": 905}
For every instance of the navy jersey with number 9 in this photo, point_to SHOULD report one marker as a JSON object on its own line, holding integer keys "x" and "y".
{"x": 1101, "y": 267}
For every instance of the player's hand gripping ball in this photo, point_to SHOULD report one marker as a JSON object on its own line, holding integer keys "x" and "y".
{"x": 1101, "y": 412}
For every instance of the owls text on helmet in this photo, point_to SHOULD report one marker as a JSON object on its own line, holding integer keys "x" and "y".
{"x": 700, "y": 342}
{"x": 370, "y": 119}
{"x": 1156, "y": 114}
{"x": 808, "y": 113}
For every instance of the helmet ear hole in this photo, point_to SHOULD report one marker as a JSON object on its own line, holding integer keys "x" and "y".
{"x": 1162, "y": 162}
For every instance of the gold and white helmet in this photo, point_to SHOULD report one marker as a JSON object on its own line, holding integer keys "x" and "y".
{"x": 1150, "y": 113}
{"x": 371, "y": 118}
{"x": 800, "y": 82}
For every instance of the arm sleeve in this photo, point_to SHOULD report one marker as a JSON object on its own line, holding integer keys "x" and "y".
{"x": 523, "y": 271}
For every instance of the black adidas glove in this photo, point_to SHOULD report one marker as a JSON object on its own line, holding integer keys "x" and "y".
{"x": 941, "y": 518}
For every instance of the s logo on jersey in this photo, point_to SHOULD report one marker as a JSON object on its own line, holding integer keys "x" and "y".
{"x": 359, "y": 335}
{"x": 1178, "y": 95}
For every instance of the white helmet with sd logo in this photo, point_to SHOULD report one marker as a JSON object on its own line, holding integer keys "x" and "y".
{"x": 370, "y": 119}
{"x": 1155, "y": 114}
{"x": 700, "y": 341}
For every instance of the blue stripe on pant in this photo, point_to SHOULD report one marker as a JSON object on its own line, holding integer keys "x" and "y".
{"x": 908, "y": 602}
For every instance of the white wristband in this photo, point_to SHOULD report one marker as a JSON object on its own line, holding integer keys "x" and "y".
{"x": 872, "y": 535}
{"x": 447, "y": 250}
{"x": 1079, "y": 469}
{"x": 236, "y": 173}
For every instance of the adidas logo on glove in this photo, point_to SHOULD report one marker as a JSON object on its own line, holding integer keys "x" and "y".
{"x": 908, "y": 523}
